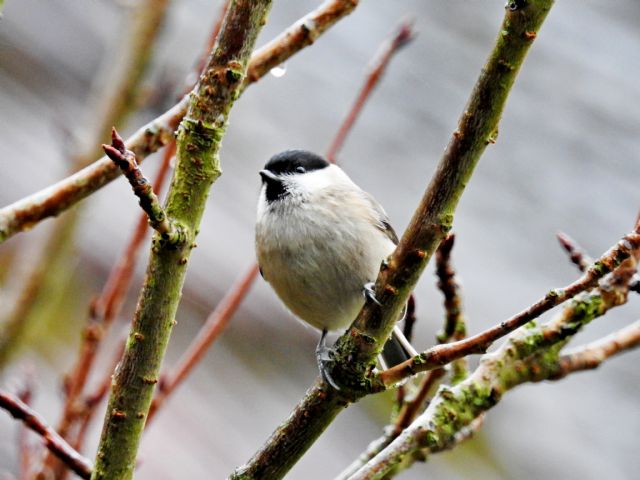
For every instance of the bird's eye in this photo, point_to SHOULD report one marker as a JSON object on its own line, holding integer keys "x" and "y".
{"x": 300, "y": 169}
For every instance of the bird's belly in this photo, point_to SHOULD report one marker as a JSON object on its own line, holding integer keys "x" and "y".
{"x": 320, "y": 277}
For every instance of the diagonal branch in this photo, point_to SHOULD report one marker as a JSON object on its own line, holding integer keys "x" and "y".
{"x": 592, "y": 355}
{"x": 356, "y": 351}
{"x": 530, "y": 355}
{"x": 54, "y": 442}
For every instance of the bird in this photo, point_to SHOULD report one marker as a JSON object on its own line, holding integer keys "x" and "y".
{"x": 320, "y": 241}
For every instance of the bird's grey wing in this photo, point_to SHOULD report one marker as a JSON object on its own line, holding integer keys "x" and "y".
{"x": 382, "y": 220}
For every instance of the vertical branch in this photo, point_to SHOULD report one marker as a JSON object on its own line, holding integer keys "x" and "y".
{"x": 197, "y": 167}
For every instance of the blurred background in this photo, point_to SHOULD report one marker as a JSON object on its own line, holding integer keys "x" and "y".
{"x": 565, "y": 159}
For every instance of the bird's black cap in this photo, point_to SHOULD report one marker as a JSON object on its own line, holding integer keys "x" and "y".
{"x": 295, "y": 161}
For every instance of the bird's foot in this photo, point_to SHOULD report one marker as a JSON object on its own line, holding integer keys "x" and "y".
{"x": 324, "y": 358}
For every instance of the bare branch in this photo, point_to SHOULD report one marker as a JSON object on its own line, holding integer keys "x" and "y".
{"x": 54, "y": 442}
{"x": 592, "y": 355}
{"x": 126, "y": 161}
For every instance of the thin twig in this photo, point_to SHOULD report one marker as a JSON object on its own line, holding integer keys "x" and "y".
{"x": 479, "y": 343}
{"x": 126, "y": 161}
{"x": 25, "y": 395}
{"x": 54, "y": 442}
{"x": 590, "y": 356}
{"x": 404, "y": 34}
{"x": 55, "y": 199}
{"x": 578, "y": 256}
{"x": 455, "y": 325}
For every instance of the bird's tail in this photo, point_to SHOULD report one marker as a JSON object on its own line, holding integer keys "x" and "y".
{"x": 396, "y": 350}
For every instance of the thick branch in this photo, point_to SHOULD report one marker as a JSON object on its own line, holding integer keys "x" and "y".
{"x": 356, "y": 350}
{"x": 54, "y": 442}
{"x": 198, "y": 166}
{"x": 55, "y": 199}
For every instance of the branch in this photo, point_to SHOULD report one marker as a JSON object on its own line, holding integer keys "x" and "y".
{"x": 593, "y": 354}
{"x": 102, "y": 311}
{"x": 54, "y": 442}
{"x": 197, "y": 167}
{"x": 401, "y": 38}
{"x": 577, "y": 255}
{"x": 479, "y": 343}
{"x": 55, "y": 199}
{"x": 355, "y": 351}
{"x": 126, "y": 161}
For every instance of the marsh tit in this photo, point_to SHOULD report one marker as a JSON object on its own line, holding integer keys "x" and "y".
{"x": 320, "y": 241}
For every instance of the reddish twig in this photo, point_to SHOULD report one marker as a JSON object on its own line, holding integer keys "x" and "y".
{"x": 25, "y": 395}
{"x": 401, "y": 38}
{"x": 53, "y": 441}
{"x": 577, "y": 254}
{"x": 444, "y": 354}
{"x": 126, "y": 161}
{"x": 213, "y": 326}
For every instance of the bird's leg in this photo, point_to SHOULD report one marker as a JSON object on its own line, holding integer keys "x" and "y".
{"x": 324, "y": 359}
{"x": 369, "y": 292}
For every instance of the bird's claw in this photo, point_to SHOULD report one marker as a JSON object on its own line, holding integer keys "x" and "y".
{"x": 369, "y": 292}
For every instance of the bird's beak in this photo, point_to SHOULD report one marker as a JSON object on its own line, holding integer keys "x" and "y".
{"x": 268, "y": 176}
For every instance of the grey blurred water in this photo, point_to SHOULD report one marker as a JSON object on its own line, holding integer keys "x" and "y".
{"x": 566, "y": 159}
